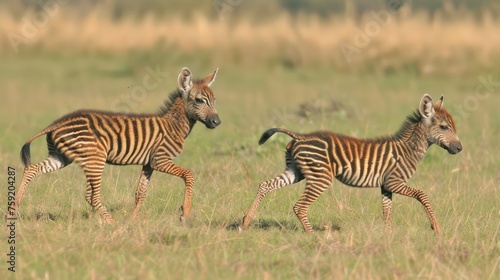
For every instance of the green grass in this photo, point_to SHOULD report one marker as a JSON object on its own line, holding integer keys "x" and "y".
{"x": 58, "y": 236}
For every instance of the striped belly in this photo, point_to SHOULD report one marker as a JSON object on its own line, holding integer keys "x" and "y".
{"x": 122, "y": 154}
{"x": 355, "y": 176}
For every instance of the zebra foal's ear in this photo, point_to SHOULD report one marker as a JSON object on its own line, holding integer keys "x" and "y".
{"x": 439, "y": 104}
{"x": 426, "y": 107}
{"x": 208, "y": 80}
{"x": 185, "y": 80}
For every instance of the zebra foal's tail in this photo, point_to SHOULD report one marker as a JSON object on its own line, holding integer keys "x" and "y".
{"x": 266, "y": 135}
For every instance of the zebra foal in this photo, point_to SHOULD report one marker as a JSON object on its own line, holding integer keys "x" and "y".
{"x": 94, "y": 138}
{"x": 386, "y": 162}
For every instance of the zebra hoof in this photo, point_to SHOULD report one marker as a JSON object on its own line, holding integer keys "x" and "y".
{"x": 183, "y": 221}
{"x": 437, "y": 229}
{"x": 240, "y": 230}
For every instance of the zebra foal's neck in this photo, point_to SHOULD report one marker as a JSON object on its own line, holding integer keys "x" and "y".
{"x": 412, "y": 135}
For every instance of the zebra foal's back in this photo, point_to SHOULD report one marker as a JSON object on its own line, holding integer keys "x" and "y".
{"x": 125, "y": 139}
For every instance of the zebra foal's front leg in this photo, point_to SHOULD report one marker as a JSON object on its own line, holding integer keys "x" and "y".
{"x": 403, "y": 189}
{"x": 142, "y": 188}
{"x": 387, "y": 209}
{"x": 171, "y": 168}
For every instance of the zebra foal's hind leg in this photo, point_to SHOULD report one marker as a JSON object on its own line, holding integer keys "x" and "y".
{"x": 314, "y": 188}
{"x": 54, "y": 162}
{"x": 288, "y": 177}
{"x": 93, "y": 168}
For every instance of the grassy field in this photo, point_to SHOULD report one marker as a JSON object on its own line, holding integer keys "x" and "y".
{"x": 58, "y": 236}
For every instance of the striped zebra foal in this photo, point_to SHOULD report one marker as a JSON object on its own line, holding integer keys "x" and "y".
{"x": 386, "y": 162}
{"x": 93, "y": 138}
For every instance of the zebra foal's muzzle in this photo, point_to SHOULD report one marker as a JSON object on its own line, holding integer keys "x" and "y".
{"x": 212, "y": 121}
{"x": 454, "y": 147}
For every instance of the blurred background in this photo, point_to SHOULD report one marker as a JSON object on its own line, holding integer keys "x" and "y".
{"x": 449, "y": 37}
{"x": 323, "y": 64}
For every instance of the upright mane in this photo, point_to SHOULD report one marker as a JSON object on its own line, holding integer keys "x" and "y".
{"x": 170, "y": 102}
{"x": 410, "y": 121}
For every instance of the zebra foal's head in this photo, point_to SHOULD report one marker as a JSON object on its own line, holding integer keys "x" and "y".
{"x": 440, "y": 125}
{"x": 199, "y": 98}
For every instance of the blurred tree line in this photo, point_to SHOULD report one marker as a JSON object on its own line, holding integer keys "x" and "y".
{"x": 261, "y": 9}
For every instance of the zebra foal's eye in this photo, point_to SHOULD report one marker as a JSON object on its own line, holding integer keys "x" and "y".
{"x": 443, "y": 127}
{"x": 198, "y": 100}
